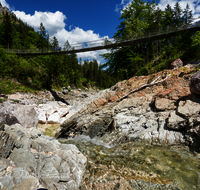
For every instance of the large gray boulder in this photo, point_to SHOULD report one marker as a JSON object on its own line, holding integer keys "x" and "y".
{"x": 38, "y": 161}
{"x": 16, "y": 113}
{"x": 195, "y": 83}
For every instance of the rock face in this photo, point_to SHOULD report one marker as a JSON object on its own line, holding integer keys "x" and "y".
{"x": 162, "y": 114}
{"x": 38, "y": 161}
{"x": 4, "y": 10}
{"x": 195, "y": 83}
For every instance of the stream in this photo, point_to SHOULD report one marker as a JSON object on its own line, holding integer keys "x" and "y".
{"x": 130, "y": 166}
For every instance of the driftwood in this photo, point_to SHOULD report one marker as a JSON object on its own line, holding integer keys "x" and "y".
{"x": 144, "y": 86}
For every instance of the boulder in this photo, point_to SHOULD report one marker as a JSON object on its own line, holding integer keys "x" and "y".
{"x": 195, "y": 83}
{"x": 176, "y": 122}
{"x": 52, "y": 112}
{"x": 15, "y": 113}
{"x": 188, "y": 108}
{"x": 162, "y": 104}
{"x": 23, "y": 158}
{"x": 38, "y": 160}
{"x": 176, "y": 64}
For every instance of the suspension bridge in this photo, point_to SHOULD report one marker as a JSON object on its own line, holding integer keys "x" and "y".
{"x": 152, "y": 35}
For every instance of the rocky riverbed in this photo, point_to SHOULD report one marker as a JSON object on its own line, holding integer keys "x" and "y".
{"x": 142, "y": 133}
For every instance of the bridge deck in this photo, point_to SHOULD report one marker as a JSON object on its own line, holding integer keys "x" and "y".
{"x": 113, "y": 45}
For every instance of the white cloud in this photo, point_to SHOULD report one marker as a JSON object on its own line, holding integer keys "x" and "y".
{"x": 3, "y": 2}
{"x": 194, "y": 5}
{"x": 55, "y": 25}
{"x": 52, "y": 21}
{"x": 78, "y": 35}
{"x": 124, "y": 3}
{"x": 183, "y": 3}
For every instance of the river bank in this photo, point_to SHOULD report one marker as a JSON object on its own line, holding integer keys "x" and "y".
{"x": 142, "y": 133}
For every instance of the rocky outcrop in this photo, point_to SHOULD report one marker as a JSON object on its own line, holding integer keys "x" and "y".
{"x": 38, "y": 161}
{"x": 4, "y": 10}
{"x": 161, "y": 114}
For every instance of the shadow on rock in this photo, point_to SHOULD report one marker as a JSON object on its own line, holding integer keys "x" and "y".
{"x": 58, "y": 98}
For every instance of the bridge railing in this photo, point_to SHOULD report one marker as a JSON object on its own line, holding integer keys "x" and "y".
{"x": 24, "y": 51}
{"x": 102, "y": 42}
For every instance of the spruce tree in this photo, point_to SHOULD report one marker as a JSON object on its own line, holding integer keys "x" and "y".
{"x": 42, "y": 41}
{"x": 187, "y": 15}
{"x": 7, "y": 31}
{"x": 54, "y": 43}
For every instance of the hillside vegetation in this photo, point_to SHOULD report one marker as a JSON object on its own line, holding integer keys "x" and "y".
{"x": 42, "y": 72}
{"x": 139, "y": 18}
{"x": 56, "y": 71}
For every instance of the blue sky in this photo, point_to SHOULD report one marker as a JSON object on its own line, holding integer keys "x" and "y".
{"x": 79, "y": 21}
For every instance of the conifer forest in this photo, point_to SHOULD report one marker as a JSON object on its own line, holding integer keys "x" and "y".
{"x": 54, "y": 71}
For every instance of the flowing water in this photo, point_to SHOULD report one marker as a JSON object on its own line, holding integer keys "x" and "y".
{"x": 130, "y": 166}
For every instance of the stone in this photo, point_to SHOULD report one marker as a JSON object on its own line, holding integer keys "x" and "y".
{"x": 176, "y": 122}
{"x": 176, "y": 64}
{"x": 43, "y": 144}
{"x": 6, "y": 182}
{"x": 6, "y": 144}
{"x": 64, "y": 172}
{"x": 49, "y": 174}
{"x": 72, "y": 185}
{"x": 20, "y": 175}
{"x": 23, "y": 158}
{"x": 56, "y": 161}
{"x": 23, "y": 114}
{"x": 162, "y": 104}
{"x": 35, "y": 133}
{"x": 15, "y": 131}
{"x": 65, "y": 91}
{"x": 188, "y": 108}
{"x": 2, "y": 170}
{"x": 31, "y": 184}
{"x": 54, "y": 118}
{"x": 2, "y": 126}
{"x": 195, "y": 83}
{"x": 42, "y": 117}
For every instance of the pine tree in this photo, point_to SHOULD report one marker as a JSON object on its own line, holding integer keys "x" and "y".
{"x": 178, "y": 20}
{"x": 7, "y": 30}
{"x": 187, "y": 15}
{"x": 67, "y": 46}
{"x": 42, "y": 41}
{"x": 54, "y": 43}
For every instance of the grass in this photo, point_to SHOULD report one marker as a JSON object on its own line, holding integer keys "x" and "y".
{"x": 9, "y": 86}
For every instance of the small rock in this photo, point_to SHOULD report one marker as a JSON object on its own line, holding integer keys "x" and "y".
{"x": 176, "y": 64}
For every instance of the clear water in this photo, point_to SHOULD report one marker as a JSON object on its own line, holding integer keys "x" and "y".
{"x": 161, "y": 165}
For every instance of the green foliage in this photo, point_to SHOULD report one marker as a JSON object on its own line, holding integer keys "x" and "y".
{"x": 141, "y": 17}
